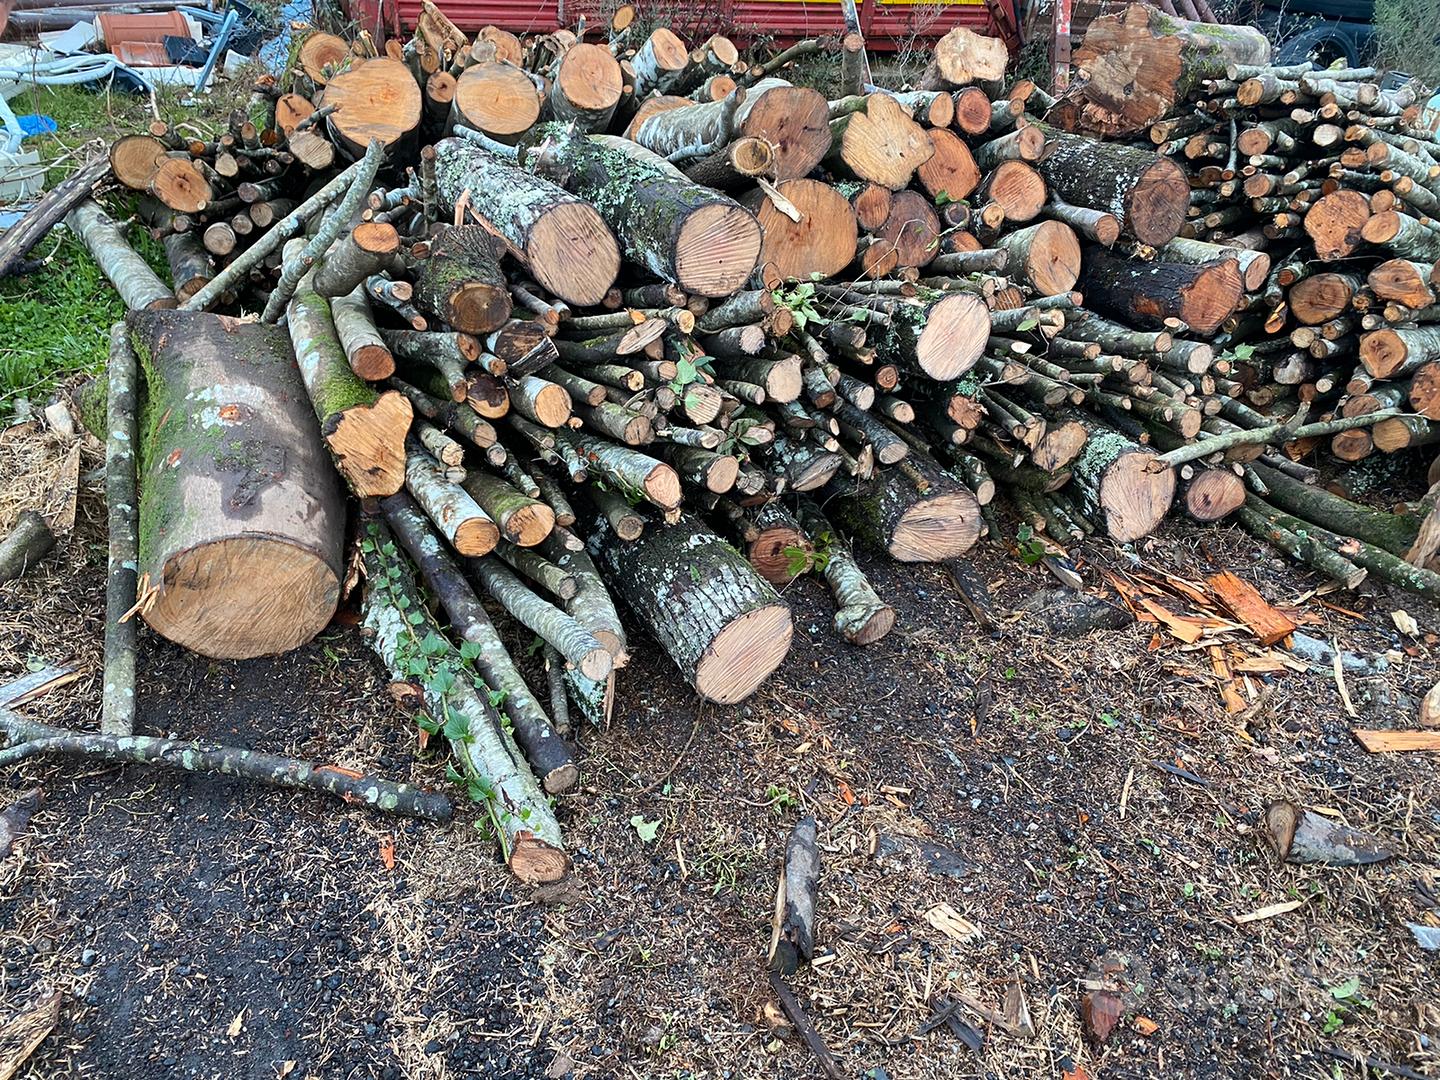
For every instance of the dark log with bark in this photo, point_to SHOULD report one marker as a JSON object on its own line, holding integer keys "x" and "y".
{"x": 793, "y": 938}
{"x": 941, "y": 339}
{"x": 30, "y": 540}
{"x": 486, "y": 754}
{"x": 1254, "y": 265}
{"x": 365, "y": 431}
{"x": 1394, "y": 533}
{"x": 190, "y": 266}
{"x": 547, "y": 754}
{"x": 822, "y": 242}
{"x": 721, "y": 623}
{"x": 122, "y": 436}
{"x": 563, "y": 242}
{"x": 20, "y": 239}
{"x": 697, "y": 238}
{"x": 461, "y": 282}
{"x": 240, "y": 521}
{"x": 1136, "y": 66}
{"x": 1201, "y": 296}
{"x": 1147, "y": 193}
{"x": 30, "y": 738}
{"x": 915, "y": 511}
{"x": 137, "y": 284}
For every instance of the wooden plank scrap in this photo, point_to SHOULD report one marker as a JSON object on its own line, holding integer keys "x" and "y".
{"x": 1382, "y": 742}
{"x": 1269, "y": 911}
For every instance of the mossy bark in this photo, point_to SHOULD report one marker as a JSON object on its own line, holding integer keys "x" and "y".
{"x": 122, "y": 434}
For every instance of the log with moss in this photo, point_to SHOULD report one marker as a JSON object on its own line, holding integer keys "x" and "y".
{"x": 703, "y": 241}
{"x": 138, "y": 285}
{"x": 461, "y": 281}
{"x": 861, "y": 617}
{"x": 241, "y": 519}
{"x": 722, "y": 624}
{"x": 122, "y": 436}
{"x": 1148, "y": 194}
{"x": 364, "y": 430}
{"x": 914, "y": 511}
{"x": 410, "y": 644}
{"x": 1118, "y": 482}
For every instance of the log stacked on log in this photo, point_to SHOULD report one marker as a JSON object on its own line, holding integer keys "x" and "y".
{"x": 638, "y": 321}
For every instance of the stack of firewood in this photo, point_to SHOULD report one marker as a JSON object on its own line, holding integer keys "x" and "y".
{"x": 641, "y": 319}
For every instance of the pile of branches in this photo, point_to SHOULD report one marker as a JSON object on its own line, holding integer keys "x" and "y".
{"x": 642, "y": 320}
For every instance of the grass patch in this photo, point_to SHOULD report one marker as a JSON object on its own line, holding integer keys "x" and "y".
{"x": 1406, "y": 39}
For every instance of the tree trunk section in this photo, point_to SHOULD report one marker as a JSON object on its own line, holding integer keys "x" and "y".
{"x": 586, "y": 87}
{"x": 29, "y": 541}
{"x": 365, "y": 351}
{"x": 951, "y": 172}
{"x": 241, "y": 521}
{"x": 962, "y": 57}
{"x": 881, "y": 144}
{"x": 122, "y": 436}
{"x": 1148, "y": 293}
{"x": 497, "y": 99}
{"x": 1045, "y": 256}
{"x": 823, "y": 240}
{"x": 720, "y": 622}
{"x": 941, "y": 340}
{"x": 364, "y": 250}
{"x": 861, "y": 617}
{"x": 1117, "y": 482}
{"x": 697, "y": 238}
{"x": 915, "y": 511}
{"x": 379, "y": 100}
{"x": 1148, "y": 194}
{"x": 189, "y": 264}
{"x": 462, "y": 283}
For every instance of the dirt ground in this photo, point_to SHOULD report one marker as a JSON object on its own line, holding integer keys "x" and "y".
{"x": 199, "y": 927}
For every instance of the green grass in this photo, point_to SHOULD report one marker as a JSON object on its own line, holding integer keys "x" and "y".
{"x": 55, "y": 323}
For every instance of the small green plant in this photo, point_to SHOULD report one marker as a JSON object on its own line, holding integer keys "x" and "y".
{"x": 1030, "y": 547}
{"x": 799, "y": 301}
{"x": 1333, "y": 1022}
{"x": 646, "y": 830}
{"x": 780, "y": 798}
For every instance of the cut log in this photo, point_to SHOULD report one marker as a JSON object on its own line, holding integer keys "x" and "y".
{"x": 1403, "y": 281}
{"x": 951, "y": 173}
{"x": 586, "y": 87}
{"x": 881, "y": 144}
{"x": 1303, "y": 836}
{"x": 659, "y": 63}
{"x": 523, "y": 521}
{"x": 1096, "y": 225}
{"x": 189, "y": 264}
{"x": 1136, "y": 66}
{"x": 458, "y": 517}
{"x": 1013, "y": 191}
{"x": 720, "y": 622}
{"x": 962, "y": 57}
{"x": 364, "y": 250}
{"x": 1118, "y": 482}
{"x": 137, "y": 284}
{"x": 941, "y": 339}
{"x": 355, "y": 328}
{"x": 377, "y": 100}
{"x": 134, "y": 159}
{"x": 30, "y": 540}
{"x": 1335, "y": 223}
{"x": 821, "y": 243}
{"x": 365, "y": 431}
{"x": 323, "y": 56}
{"x": 241, "y": 521}
{"x": 697, "y": 238}
{"x": 1321, "y": 297}
{"x": 861, "y": 617}
{"x": 1147, "y": 193}
{"x": 487, "y": 755}
{"x": 733, "y": 166}
{"x": 462, "y": 283}
{"x": 1201, "y": 296}
{"x": 1212, "y": 494}
{"x": 569, "y": 637}
{"x": 180, "y": 185}
{"x": 635, "y": 475}
{"x": 1045, "y": 256}
{"x": 915, "y": 511}
{"x": 497, "y": 99}
{"x": 563, "y": 242}
{"x": 1394, "y": 353}
{"x": 794, "y": 121}
{"x": 1254, "y": 266}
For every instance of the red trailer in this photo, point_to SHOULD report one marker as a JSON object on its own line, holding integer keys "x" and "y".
{"x": 888, "y": 25}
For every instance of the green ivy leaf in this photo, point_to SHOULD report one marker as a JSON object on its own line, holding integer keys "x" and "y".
{"x": 427, "y": 723}
{"x": 456, "y": 725}
{"x": 416, "y": 665}
{"x": 646, "y": 830}
{"x": 454, "y": 775}
{"x": 1028, "y": 324}
{"x": 497, "y": 698}
{"x": 469, "y": 650}
{"x": 434, "y": 645}
{"x": 415, "y": 618}
{"x": 441, "y": 682}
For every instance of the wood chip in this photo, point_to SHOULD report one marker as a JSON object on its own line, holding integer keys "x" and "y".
{"x": 952, "y": 924}
{"x": 1243, "y": 600}
{"x": 1270, "y": 911}
{"x": 1339, "y": 669}
{"x": 1381, "y": 742}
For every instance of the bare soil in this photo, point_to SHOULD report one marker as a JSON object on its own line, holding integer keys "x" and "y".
{"x": 200, "y": 927}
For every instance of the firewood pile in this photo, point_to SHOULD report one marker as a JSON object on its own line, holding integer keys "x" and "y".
{"x": 639, "y": 320}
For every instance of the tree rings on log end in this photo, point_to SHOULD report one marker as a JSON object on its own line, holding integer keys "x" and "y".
{"x": 1135, "y": 493}
{"x": 716, "y": 250}
{"x": 936, "y": 528}
{"x": 795, "y": 121}
{"x": 380, "y": 99}
{"x": 497, "y": 99}
{"x": 590, "y": 78}
{"x": 368, "y": 442}
{"x": 536, "y": 862}
{"x": 1052, "y": 264}
{"x": 823, "y": 240}
{"x": 244, "y": 596}
{"x": 1213, "y": 494}
{"x": 1157, "y": 204}
{"x": 955, "y": 334}
{"x": 743, "y": 655}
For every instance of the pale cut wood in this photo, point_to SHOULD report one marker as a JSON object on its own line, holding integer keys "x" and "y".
{"x": 379, "y": 100}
